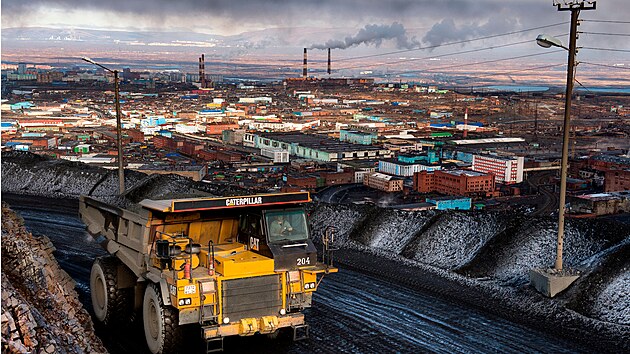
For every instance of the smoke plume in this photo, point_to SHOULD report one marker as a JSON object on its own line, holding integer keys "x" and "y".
{"x": 373, "y": 35}
{"x": 447, "y": 31}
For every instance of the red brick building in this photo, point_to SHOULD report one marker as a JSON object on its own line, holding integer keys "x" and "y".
{"x": 162, "y": 142}
{"x": 333, "y": 178}
{"x": 617, "y": 180}
{"x": 229, "y": 156}
{"x": 190, "y": 148}
{"x": 454, "y": 182}
{"x": 217, "y": 129}
{"x": 207, "y": 155}
{"x": 302, "y": 182}
{"x": 136, "y": 135}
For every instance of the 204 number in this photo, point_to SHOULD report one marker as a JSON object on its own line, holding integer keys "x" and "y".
{"x": 304, "y": 261}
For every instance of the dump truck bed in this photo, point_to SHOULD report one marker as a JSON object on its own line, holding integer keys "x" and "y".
{"x": 118, "y": 230}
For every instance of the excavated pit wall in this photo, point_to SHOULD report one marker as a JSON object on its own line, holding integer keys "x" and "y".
{"x": 40, "y": 308}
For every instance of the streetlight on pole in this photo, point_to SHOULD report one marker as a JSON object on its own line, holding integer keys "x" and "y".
{"x": 121, "y": 169}
{"x": 555, "y": 285}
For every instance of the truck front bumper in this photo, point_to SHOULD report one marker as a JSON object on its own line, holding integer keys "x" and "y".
{"x": 251, "y": 326}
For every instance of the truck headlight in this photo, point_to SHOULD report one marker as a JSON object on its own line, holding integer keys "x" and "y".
{"x": 283, "y": 312}
{"x": 226, "y": 320}
{"x": 184, "y": 301}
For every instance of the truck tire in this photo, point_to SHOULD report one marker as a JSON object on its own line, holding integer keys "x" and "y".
{"x": 161, "y": 323}
{"x": 274, "y": 335}
{"x": 111, "y": 305}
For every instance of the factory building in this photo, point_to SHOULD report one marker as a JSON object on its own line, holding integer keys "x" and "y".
{"x": 617, "y": 180}
{"x": 454, "y": 182}
{"x": 506, "y": 170}
{"x": 601, "y": 203}
{"x": 383, "y": 182}
{"x": 314, "y": 147}
{"x": 404, "y": 169}
{"x": 358, "y": 137}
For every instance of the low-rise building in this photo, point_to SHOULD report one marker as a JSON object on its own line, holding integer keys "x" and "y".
{"x": 314, "y": 147}
{"x": 454, "y": 182}
{"x": 601, "y": 203}
{"x": 506, "y": 170}
{"x": 617, "y": 180}
{"x": 383, "y": 182}
{"x": 277, "y": 155}
{"x": 397, "y": 167}
{"x": 358, "y": 137}
{"x": 451, "y": 203}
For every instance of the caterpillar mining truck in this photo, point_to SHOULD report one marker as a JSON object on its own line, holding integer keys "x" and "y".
{"x": 227, "y": 266}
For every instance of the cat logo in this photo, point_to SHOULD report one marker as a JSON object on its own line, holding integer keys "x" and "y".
{"x": 254, "y": 244}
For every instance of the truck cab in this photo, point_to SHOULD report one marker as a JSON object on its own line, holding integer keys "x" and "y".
{"x": 281, "y": 234}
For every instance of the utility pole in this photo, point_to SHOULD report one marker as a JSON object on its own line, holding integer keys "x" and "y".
{"x": 551, "y": 282}
{"x": 121, "y": 168}
{"x": 575, "y": 7}
{"x": 536, "y": 121}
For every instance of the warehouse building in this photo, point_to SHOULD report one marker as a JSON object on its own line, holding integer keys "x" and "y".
{"x": 314, "y": 147}
{"x": 454, "y": 182}
{"x": 383, "y": 182}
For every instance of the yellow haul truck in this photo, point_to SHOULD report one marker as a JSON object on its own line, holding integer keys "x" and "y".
{"x": 231, "y": 266}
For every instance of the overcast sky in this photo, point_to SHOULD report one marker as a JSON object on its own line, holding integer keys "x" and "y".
{"x": 234, "y": 16}
{"x": 388, "y": 23}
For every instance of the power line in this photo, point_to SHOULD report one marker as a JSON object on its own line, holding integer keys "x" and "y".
{"x": 608, "y": 49}
{"x": 482, "y": 62}
{"x": 605, "y": 65}
{"x": 517, "y": 71}
{"x": 608, "y": 34}
{"x": 606, "y": 21}
{"x": 436, "y": 56}
{"x": 444, "y": 44}
{"x": 452, "y": 43}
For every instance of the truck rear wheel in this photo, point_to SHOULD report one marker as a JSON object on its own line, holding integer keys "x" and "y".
{"x": 111, "y": 305}
{"x": 161, "y": 323}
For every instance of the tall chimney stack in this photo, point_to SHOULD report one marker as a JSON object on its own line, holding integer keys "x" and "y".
{"x": 304, "y": 69}
{"x": 466, "y": 124}
{"x": 200, "y": 73}
{"x": 203, "y": 71}
{"x": 328, "y": 61}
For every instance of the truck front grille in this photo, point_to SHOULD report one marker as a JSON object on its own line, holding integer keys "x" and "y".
{"x": 252, "y": 297}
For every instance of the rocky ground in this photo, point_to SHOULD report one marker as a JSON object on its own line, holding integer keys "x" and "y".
{"x": 41, "y": 312}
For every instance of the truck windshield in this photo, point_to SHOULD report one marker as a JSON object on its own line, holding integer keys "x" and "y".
{"x": 286, "y": 225}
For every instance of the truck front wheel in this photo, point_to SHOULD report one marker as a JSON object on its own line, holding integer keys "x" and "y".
{"x": 161, "y": 323}
{"x": 111, "y": 305}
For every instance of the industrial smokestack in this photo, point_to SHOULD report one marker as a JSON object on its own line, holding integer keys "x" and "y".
{"x": 305, "y": 68}
{"x": 203, "y": 71}
{"x": 328, "y": 61}
{"x": 200, "y": 72}
{"x": 466, "y": 123}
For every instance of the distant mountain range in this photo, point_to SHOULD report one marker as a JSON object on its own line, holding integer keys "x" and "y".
{"x": 276, "y": 37}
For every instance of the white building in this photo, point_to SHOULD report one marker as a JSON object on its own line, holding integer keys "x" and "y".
{"x": 278, "y": 155}
{"x": 506, "y": 170}
{"x": 404, "y": 169}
